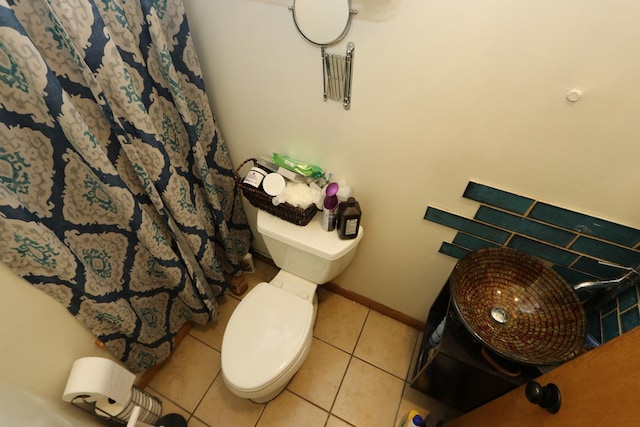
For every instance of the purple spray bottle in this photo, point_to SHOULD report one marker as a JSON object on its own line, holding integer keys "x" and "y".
{"x": 330, "y": 207}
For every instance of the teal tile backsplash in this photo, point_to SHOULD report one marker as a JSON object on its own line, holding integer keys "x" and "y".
{"x": 630, "y": 319}
{"x": 628, "y": 298}
{"x": 575, "y": 244}
{"x": 525, "y": 226}
{"x": 586, "y": 224}
{"x": 498, "y": 198}
{"x": 463, "y": 224}
{"x": 543, "y": 250}
{"x": 472, "y": 243}
{"x": 610, "y": 326}
{"x": 604, "y": 250}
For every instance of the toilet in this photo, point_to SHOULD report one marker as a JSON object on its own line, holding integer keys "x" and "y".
{"x": 269, "y": 334}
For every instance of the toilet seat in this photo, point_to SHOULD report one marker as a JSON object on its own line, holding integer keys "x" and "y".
{"x": 265, "y": 337}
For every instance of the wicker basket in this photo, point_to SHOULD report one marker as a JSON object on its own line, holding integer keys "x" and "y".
{"x": 262, "y": 200}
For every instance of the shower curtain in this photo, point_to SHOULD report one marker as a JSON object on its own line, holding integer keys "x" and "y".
{"x": 117, "y": 195}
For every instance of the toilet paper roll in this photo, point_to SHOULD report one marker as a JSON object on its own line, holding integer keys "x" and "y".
{"x": 94, "y": 378}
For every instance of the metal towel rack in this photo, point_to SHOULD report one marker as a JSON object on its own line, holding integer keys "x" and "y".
{"x": 337, "y": 71}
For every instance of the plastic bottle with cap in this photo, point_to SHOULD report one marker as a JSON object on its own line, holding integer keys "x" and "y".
{"x": 413, "y": 419}
{"x": 416, "y": 421}
{"x": 330, "y": 207}
{"x": 435, "y": 337}
{"x": 349, "y": 215}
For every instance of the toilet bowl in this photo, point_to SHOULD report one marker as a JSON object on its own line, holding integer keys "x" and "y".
{"x": 269, "y": 334}
{"x": 263, "y": 348}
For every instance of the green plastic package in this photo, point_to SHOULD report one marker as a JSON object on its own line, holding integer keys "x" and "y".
{"x": 306, "y": 169}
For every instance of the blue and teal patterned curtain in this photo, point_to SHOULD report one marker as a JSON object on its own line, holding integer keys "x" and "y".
{"x": 117, "y": 195}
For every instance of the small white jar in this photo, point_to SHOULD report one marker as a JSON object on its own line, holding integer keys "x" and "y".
{"x": 274, "y": 184}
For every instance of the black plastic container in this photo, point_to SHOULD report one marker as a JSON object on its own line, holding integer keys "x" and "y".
{"x": 349, "y": 215}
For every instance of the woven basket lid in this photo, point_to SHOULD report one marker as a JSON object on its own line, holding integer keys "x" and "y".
{"x": 518, "y": 307}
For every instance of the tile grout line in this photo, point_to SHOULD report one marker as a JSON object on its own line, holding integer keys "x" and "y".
{"x": 330, "y": 413}
{"x": 333, "y": 404}
{"x": 351, "y": 356}
{"x": 406, "y": 380}
{"x": 192, "y": 414}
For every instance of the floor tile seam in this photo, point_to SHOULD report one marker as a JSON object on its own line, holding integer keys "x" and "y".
{"x": 351, "y": 357}
{"x": 414, "y": 351}
{"x": 364, "y": 324}
{"x": 165, "y": 398}
{"x": 306, "y": 400}
{"x": 333, "y": 345}
{"x": 264, "y": 407}
{"x": 335, "y": 398}
{"x": 395, "y": 418}
{"x": 205, "y": 343}
{"x": 355, "y": 344}
{"x": 191, "y": 417}
{"x": 399, "y": 403}
{"x": 408, "y": 371}
{"x": 337, "y": 391}
{"x": 370, "y": 362}
{"x": 236, "y": 297}
{"x": 380, "y": 368}
{"x": 215, "y": 377}
{"x": 340, "y": 418}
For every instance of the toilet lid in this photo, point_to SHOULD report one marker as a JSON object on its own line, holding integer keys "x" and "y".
{"x": 264, "y": 336}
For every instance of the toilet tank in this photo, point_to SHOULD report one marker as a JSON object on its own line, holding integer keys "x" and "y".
{"x": 308, "y": 251}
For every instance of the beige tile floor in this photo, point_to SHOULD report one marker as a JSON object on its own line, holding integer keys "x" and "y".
{"x": 355, "y": 375}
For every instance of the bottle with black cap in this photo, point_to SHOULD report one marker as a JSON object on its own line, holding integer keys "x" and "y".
{"x": 349, "y": 215}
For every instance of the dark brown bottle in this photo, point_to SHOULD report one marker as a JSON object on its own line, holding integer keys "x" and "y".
{"x": 349, "y": 215}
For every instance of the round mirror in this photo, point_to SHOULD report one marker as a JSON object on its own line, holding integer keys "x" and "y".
{"x": 322, "y": 22}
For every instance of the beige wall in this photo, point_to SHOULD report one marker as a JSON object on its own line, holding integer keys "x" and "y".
{"x": 443, "y": 93}
{"x": 39, "y": 342}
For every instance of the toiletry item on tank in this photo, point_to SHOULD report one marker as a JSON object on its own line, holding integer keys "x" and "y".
{"x": 291, "y": 175}
{"x": 349, "y": 215}
{"x": 255, "y": 176}
{"x": 303, "y": 168}
{"x": 330, "y": 207}
{"x": 274, "y": 184}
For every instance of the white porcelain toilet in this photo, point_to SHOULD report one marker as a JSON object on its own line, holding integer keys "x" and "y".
{"x": 269, "y": 334}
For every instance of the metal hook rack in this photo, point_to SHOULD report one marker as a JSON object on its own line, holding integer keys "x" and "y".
{"x": 337, "y": 72}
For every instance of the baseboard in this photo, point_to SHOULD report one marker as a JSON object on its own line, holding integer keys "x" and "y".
{"x": 373, "y": 305}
